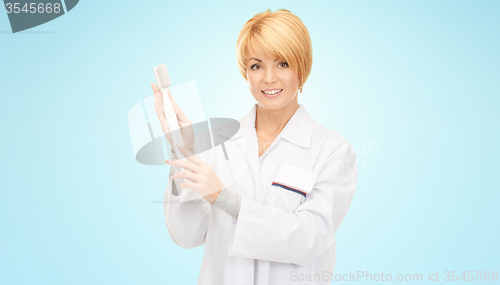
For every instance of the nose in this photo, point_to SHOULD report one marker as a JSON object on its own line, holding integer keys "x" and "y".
{"x": 270, "y": 76}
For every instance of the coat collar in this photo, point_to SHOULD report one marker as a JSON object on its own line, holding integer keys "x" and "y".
{"x": 298, "y": 130}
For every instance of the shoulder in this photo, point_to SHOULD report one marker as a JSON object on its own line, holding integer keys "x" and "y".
{"x": 331, "y": 151}
{"x": 322, "y": 135}
{"x": 327, "y": 142}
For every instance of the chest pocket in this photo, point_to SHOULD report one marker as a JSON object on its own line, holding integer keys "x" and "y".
{"x": 290, "y": 187}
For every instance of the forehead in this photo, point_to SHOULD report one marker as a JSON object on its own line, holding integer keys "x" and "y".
{"x": 262, "y": 55}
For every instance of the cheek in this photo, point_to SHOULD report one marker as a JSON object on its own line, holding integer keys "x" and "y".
{"x": 291, "y": 80}
{"x": 253, "y": 82}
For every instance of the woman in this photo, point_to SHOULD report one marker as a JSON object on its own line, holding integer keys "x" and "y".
{"x": 295, "y": 180}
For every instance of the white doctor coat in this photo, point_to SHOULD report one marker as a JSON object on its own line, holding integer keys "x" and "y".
{"x": 281, "y": 236}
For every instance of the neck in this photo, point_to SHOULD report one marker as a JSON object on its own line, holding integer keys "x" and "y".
{"x": 272, "y": 122}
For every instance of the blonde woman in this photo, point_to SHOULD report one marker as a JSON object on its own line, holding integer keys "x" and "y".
{"x": 295, "y": 179}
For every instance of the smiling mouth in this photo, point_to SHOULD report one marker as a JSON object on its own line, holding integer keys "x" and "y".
{"x": 272, "y": 92}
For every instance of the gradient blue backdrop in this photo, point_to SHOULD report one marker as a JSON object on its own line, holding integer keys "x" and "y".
{"x": 413, "y": 85}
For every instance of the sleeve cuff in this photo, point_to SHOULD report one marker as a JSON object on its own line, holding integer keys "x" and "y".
{"x": 229, "y": 201}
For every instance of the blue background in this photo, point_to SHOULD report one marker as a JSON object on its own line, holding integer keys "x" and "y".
{"x": 413, "y": 85}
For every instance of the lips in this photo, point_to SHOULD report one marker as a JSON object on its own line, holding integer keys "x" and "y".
{"x": 272, "y": 95}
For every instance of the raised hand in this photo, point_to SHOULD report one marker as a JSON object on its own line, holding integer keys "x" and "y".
{"x": 184, "y": 122}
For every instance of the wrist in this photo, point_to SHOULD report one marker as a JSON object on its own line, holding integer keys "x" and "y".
{"x": 214, "y": 196}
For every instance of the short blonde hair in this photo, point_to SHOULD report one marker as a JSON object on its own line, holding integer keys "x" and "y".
{"x": 279, "y": 35}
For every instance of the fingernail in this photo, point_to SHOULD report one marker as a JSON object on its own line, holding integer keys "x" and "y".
{"x": 173, "y": 177}
{"x": 167, "y": 162}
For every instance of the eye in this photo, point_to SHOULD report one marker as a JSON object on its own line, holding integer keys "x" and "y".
{"x": 255, "y": 67}
{"x": 283, "y": 64}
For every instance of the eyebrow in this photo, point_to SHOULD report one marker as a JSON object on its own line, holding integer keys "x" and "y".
{"x": 258, "y": 59}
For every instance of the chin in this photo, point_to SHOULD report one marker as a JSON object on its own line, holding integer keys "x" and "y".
{"x": 272, "y": 104}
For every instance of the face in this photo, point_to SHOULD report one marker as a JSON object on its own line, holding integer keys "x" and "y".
{"x": 272, "y": 82}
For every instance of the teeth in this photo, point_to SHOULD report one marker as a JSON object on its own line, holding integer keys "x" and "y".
{"x": 272, "y": 92}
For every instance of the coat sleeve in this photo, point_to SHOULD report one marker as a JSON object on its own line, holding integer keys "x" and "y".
{"x": 187, "y": 223}
{"x": 267, "y": 232}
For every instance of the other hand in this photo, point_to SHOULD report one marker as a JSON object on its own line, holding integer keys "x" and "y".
{"x": 204, "y": 180}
